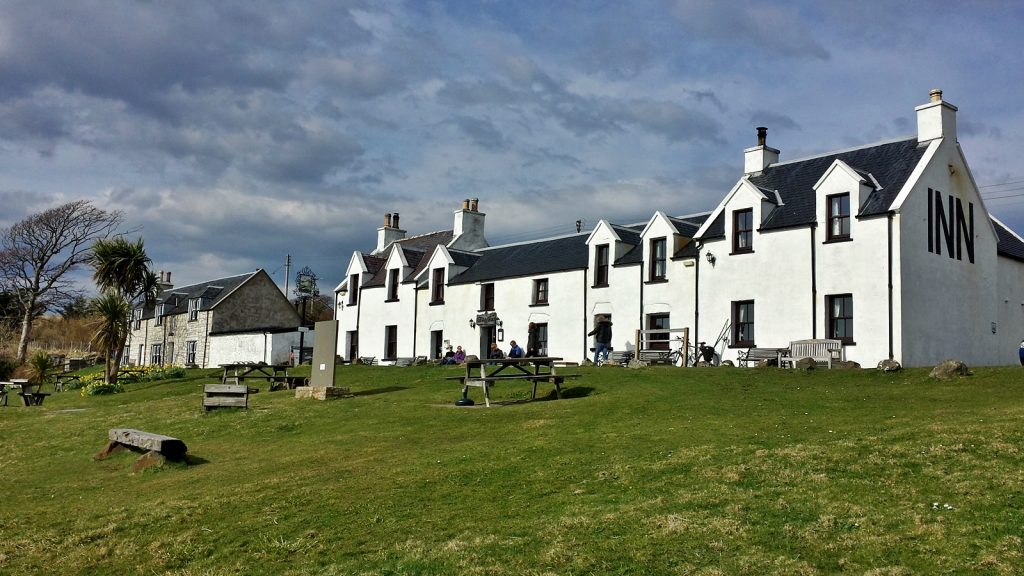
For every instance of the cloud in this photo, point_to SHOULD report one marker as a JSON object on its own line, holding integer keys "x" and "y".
{"x": 771, "y": 29}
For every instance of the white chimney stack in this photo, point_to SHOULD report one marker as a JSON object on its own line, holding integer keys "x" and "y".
{"x": 936, "y": 119}
{"x": 388, "y": 233}
{"x": 468, "y": 231}
{"x": 761, "y": 156}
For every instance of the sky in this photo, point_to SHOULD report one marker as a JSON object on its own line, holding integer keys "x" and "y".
{"x": 234, "y": 133}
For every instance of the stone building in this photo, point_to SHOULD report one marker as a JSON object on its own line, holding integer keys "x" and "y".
{"x": 243, "y": 318}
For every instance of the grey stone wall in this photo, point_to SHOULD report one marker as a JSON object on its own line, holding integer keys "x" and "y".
{"x": 258, "y": 303}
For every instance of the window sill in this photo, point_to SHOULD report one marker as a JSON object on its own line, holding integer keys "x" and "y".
{"x": 738, "y": 252}
{"x": 740, "y": 345}
{"x": 391, "y": 300}
{"x": 657, "y": 281}
{"x": 436, "y": 303}
{"x": 599, "y": 286}
{"x": 838, "y": 240}
{"x": 538, "y": 304}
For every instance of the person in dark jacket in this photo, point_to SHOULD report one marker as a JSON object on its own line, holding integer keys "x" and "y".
{"x": 602, "y": 334}
{"x": 515, "y": 351}
{"x": 532, "y": 339}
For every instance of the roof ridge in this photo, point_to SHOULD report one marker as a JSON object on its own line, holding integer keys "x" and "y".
{"x": 534, "y": 241}
{"x": 844, "y": 151}
{"x": 208, "y": 282}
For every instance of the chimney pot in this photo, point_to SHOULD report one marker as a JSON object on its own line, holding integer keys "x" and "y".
{"x": 935, "y": 95}
{"x": 474, "y": 204}
{"x": 465, "y": 204}
{"x": 161, "y": 276}
{"x": 168, "y": 276}
{"x": 387, "y": 220}
{"x": 762, "y": 136}
{"x": 394, "y": 219}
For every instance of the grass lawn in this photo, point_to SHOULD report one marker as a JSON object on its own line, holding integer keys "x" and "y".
{"x": 651, "y": 471}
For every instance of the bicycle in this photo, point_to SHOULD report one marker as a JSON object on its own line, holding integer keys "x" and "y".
{"x": 694, "y": 354}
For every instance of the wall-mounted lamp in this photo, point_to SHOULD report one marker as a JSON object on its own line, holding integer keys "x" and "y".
{"x": 501, "y": 334}
{"x": 711, "y": 258}
{"x": 472, "y": 323}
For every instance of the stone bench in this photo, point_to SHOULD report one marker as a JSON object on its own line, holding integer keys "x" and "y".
{"x": 155, "y": 448}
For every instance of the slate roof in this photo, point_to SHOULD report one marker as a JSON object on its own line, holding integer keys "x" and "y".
{"x": 211, "y": 293}
{"x": 630, "y": 235}
{"x": 525, "y": 259}
{"x": 1009, "y": 245}
{"x": 888, "y": 163}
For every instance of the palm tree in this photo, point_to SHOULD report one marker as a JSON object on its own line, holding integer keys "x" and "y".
{"x": 121, "y": 270}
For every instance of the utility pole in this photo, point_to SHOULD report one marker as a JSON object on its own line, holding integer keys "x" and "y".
{"x": 287, "y": 272}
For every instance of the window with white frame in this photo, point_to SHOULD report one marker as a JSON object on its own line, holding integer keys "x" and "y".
{"x": 137, "y": 319}
{"x": 193, "y": 309}
{"x": 190, "y": 352}
{"x": 657, "y": 257}
{"x": 540, "y": 291}
{"x": 437, "y": 286}
{"x": 156, "y": 356}
{"x": 393, "y": 284}
{"x": 838, "y": 217}
{"x": 159, "y": 318}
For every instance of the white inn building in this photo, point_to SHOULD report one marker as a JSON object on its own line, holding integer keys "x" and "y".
{"x": 887, "y": 247}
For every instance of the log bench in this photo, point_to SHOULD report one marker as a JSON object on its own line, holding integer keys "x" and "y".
{"x": 155, "y": 448}
{"x": 225, "y": 396}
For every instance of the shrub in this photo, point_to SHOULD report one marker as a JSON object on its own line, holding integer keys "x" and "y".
{"x": 39, "y": 366}
{"x": 99, "y": 387}
{"x": 7, "y": 367}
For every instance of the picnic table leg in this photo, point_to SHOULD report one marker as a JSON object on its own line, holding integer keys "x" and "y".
{"x": 487, "y": 394}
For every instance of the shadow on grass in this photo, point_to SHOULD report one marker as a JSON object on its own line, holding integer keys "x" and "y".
{"x": 567, "y": 393}
{"x": 193, "y": 460}
{"x": 375, "y": 391}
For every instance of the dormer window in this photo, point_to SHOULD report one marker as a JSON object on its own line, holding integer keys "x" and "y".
{"x": 838, "y": 217}
{"x": 353, "y": 289}
{"x": 743, "y": 231}
{"x": 601, "y": 266}
{"x": 437, "y": 286}
{"x": 137, "y": 319}
{"x": 159, "y": 318}
{"x": 193, "y": 309}
{"x": 393, "y": 285}
{"x": 657, "y": 260}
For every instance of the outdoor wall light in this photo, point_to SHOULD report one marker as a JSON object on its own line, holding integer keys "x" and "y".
{"x": 501, "y": 334}
{"x": 472, "y": 324}
{"x": 711, "y": 258}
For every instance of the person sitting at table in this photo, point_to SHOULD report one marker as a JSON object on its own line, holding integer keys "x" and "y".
{"x": 449, "y": 356}
{"x": 460, "y": 355}
{"x": 515, "y": 351}
{"x": 495, "y": 353}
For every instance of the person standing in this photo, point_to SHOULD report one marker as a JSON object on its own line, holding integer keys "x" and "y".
{"x": 532, "y": 341}
{"x": 1021, "y": 353}
{"x": 602, "y": 334}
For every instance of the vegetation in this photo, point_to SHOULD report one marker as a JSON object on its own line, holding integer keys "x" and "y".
{"x": 39, "y": 367}
{"x": 38, "y": 253}
{"x": 652, "y": 471}
{"x": 121, "y": 271}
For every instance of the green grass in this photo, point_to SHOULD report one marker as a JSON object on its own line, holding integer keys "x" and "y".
{"x": 653, "y": 471}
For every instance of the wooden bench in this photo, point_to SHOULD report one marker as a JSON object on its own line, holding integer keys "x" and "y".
{"x": 409, "y": 361}
{"x": 821, "y": 350}
{"x": 656, "y": 356}
{"x": 225, "y": 396}
{"x": 155, "y": 448}
{"x": 756, "y": 355}
{"x": 60, "y": 380}
{"x": 31, "y": 394}
{"x": 368, "y": 360}
{"x": 621, "y": 358}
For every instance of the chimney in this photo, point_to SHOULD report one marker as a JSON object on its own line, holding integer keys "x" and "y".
{"x": 761, "y": 156}
{"x": 936, "y": 119}
{"x": 164, "y": 284}
{"x": 388, "y": 233}
{"x": 468, "y": 232}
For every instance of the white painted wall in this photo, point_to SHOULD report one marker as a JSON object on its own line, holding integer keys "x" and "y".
{"x": 255, "y": 347}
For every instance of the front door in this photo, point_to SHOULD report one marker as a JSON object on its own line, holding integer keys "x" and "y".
{"x": 488, "y": 334}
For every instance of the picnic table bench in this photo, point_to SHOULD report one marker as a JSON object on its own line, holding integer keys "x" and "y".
{"x": 155, "y": 447}
{"x": 275, "y": 374}
{"x": 31, "y": 394}
{"x": 821, "y": 350}
{"x": 485, "y": 373}
{"x": 60, "y": 380}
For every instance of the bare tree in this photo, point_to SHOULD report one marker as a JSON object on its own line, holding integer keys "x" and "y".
{"x": 37, "y": 253}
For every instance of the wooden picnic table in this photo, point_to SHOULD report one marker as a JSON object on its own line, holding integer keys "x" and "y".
{"x": 30, "y": 393}
{"x": 273, "y": 373}
{"x": 484, "y": 373}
